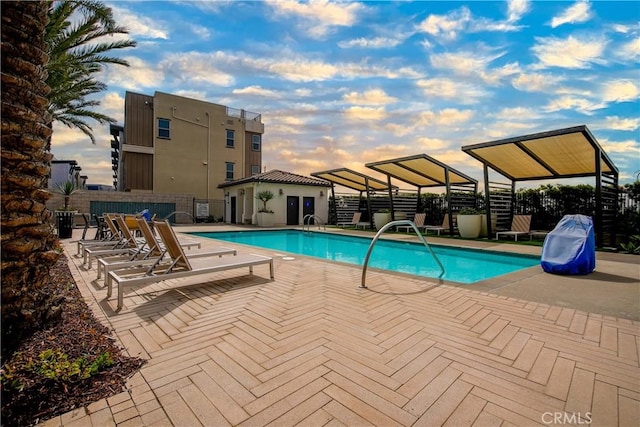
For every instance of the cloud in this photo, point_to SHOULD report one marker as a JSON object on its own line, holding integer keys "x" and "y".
{"x": 372, "y": 43}
{"x": 431, "y": 144}
{"x": 138, "y": 75}
{"x": 196, "y": 67}
{"x": 516, "y": 9}
{"x": 370, "y": 97}
{"x": 626, "y": 147}
{"x": 446, "y": 26}
{"x": 569, "y": 53}
{"x": 581, "y": 105}
{"x": 507, "y": 114}
{"x": 140, "y": 26}
{"x": 365, "y": 113}
{"x": 203, "y": 33}
{"x": 256, "y": 91}
{"x": 462, "y": 62}
{"x": 444, "y": 88}
{"x": 286, "y": 65}
{"x": 622, "y": 123}
{"x": 535, "y": 82}
{"x": 112, "y": 104}
{"x": 466, "y": 63}
{"x": 629, "y": 51}
{"x": 620, "y": 91}
{"x": 318, "y": 16}
{"x": 576, "y": 13}
{"x": 445, "y": 117}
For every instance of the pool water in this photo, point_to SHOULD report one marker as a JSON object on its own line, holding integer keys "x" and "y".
{"x": 461, "y": 264}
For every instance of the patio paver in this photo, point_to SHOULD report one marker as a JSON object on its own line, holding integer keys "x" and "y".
{"x": 312, "y": 348}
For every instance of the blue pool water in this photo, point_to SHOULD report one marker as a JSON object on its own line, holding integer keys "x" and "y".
{"x": 462, "y": 265}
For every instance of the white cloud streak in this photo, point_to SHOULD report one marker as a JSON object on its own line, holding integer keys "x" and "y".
{"x": 576, "y": 13}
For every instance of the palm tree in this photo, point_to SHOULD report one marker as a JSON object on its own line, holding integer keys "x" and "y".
{"x": 78, "y": 50}
{"x": 28, "y": 244}
{"x": 67, "y": 189}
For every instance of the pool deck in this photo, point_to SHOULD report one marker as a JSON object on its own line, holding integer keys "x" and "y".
{"x": 313, "y": 348}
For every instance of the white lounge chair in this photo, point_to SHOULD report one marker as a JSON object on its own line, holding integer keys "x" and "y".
{"x": 438, "y": 228}
{"x": 112, "y": 238}
{"x": 180, "y": 265}
{"x": 418, "y": 220}
{"x": 128, "y": 246}
{"x": 354, "y": 221}
{"x": 154, "y": 253}
{"x": 520, "y": 225}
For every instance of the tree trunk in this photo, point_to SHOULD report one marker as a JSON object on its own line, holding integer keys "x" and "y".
{"x": 28, "y": 242}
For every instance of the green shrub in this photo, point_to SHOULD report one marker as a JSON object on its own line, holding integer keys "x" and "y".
{"x": 55, "y": 365}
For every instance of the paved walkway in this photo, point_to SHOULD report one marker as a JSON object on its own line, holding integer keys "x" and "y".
{"x": 312, "y": 348}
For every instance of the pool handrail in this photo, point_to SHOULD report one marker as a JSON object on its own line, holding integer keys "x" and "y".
{"x": 316, "y": 217}
{"x": 382, "y": 230}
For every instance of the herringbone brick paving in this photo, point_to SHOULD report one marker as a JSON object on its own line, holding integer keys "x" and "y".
{"x": 312, "y": 348}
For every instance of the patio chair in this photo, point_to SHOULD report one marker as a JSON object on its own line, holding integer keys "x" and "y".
{"x": 154, "y": 254}
{"x": 520, "y": 225}
{"x": 180, "y": 265}
{"x": 438, "y": 228}
{"x": 107, "y": 234}
{"x": 418, "y": 220}
{"x": 130, "y": 245}
{"x": 354, "y": 221}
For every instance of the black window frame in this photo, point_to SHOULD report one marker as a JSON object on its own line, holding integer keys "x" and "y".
{"x": 253, "y": 143}
{"x": 164, "y": 129}
{"x": 232, "y": 139}
{"x": 233, "y": 170}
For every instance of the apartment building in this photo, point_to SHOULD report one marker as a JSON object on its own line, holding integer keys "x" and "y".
{"x": 66, "y": 170}
{"x": 175, "y": 145}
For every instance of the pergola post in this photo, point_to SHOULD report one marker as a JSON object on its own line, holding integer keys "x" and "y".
{"x": 393, "y": 215}
{"x": 335, "y": 206}
{"x": 487, "y": 200}
{"x": 598, "y": 213}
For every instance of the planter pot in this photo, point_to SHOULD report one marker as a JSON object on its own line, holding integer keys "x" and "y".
{"x": 483, "y": 225}
{"x": 265, "y": 219}
{"x": 64, "y": 223}
{"x": 380, "y": 219}
{"x": 469, "y": 226}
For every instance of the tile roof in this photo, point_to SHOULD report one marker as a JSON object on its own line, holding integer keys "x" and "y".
{"x": 280, "y": 177}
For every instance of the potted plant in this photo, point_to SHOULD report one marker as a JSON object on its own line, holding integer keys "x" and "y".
{"x": 381, "y": 217}
{"x": 265, "y": 215}
{"x": 65, "y": 215}
{"x": 469, "y": 223}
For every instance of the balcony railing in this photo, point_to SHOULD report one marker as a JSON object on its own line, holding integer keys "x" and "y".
{"x": 243, "y": 114}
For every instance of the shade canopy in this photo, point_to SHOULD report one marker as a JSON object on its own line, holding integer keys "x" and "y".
{"x": 422, "y": 171}
{"x": 352, "y": 179}
{"x": 562, "y": 153}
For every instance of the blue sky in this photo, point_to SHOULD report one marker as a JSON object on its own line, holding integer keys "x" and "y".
{"x": 341, "y": 84}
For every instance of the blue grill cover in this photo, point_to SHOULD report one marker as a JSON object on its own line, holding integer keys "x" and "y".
{"x": 571, "y": 247}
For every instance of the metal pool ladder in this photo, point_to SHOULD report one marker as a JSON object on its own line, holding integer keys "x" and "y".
{"x": 306, "y": 221}
{"x": 382, "y": 230}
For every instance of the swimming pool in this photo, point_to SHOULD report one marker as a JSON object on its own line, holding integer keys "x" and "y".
{"x": 461, "y": 264}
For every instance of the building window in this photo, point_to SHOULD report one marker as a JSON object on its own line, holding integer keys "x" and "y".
{"x": 164, "y": 128}
{"x": 230, "y": 167}
{"x": 255, "y": 142}
{"x": 231, "y": 136}
{"x": 255, "y": 169}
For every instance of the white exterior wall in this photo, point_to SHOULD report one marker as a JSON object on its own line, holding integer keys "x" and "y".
{"x": 247, "y": 205}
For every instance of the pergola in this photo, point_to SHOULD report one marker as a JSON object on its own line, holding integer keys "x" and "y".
{"x": 355, "y": 181}
{"x": 424, "y": 171}
{"x": 562, "y": 153}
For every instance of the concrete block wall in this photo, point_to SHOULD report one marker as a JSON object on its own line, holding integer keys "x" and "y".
{"x": 81, "y": 201}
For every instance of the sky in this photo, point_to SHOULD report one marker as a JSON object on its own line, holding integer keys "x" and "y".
{"x": 341, "y": 84}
